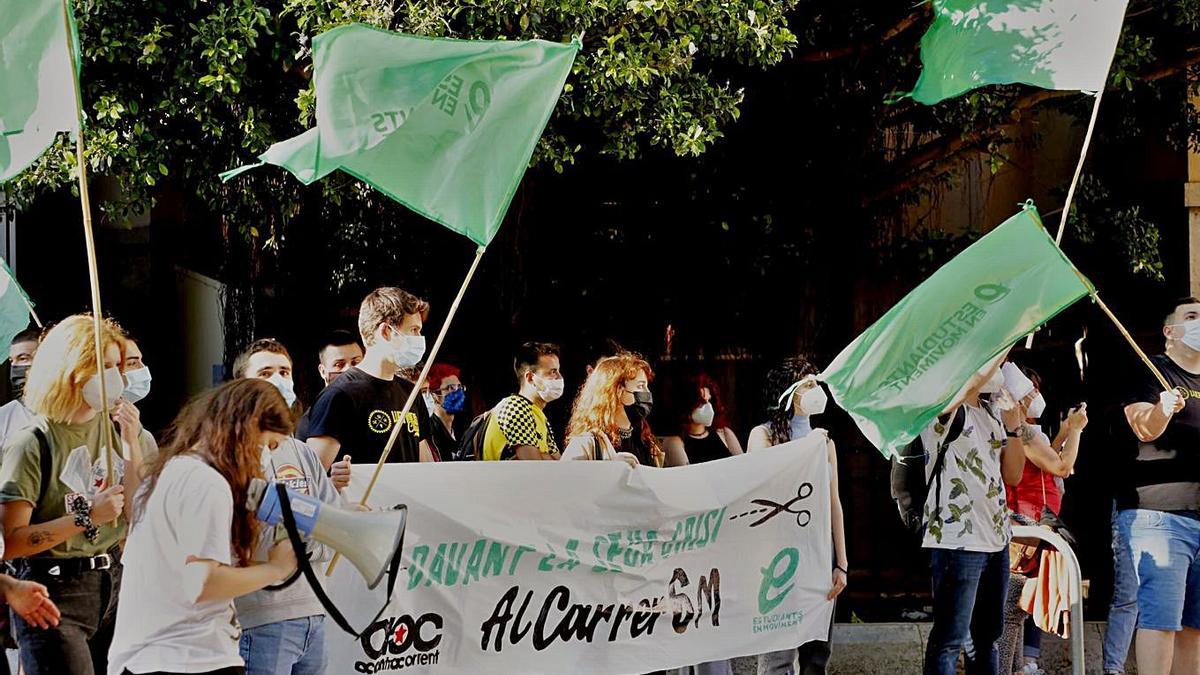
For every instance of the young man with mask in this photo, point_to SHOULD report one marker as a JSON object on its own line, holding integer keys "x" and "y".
{"x": 284, "y": 631}
{"x": 518, "y": 428}
{"x": 137, "y": 373}
{"x": 972, "y": 451}
{"x": 14, "y": 415}
{"x": 342, "y": 350}
{"x": 1158, "y": 499}
{"x": 355, "y": 414}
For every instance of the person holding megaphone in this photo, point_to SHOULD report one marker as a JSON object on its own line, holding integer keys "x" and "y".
{"x": 192, "y": 538}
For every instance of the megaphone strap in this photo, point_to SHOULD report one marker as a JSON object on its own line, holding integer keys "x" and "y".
{"x": 305, "y": 567}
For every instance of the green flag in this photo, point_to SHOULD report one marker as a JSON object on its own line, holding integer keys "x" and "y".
{"x": 1052, "y": 44}
{"x": 37, "y": 83}
{"x": 14, "y": 307}
{"x": 907, "y": 367}
{"x": 446, "y": 127}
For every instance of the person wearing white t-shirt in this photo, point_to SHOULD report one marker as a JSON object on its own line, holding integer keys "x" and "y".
{"x": 192, "y": 537}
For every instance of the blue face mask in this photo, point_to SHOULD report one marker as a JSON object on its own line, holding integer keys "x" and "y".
{"x": 454, "y": 401}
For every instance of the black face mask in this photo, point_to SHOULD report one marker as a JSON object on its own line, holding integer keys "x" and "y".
{"x": 16, "y": 377}
{"x": 643, "y": 403}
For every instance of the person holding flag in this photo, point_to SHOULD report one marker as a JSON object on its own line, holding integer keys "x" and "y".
{"x": 60, "y": 510}
{"x": 974, "y": 449}
{"x": 1158, "y": 500}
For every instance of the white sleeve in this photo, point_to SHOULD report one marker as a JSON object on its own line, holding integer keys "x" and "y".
{"x": 205, "y": 518}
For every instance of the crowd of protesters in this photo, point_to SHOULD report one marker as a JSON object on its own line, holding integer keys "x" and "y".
{"x": 174, "y": 517}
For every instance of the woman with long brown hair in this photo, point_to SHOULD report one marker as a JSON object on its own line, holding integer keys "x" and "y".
{"x": 60, "y": 510}
{"x": 192, "y": 536}
{"x": 609, "y": 419}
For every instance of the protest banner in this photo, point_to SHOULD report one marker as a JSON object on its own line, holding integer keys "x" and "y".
{"x": 594, "y": 567}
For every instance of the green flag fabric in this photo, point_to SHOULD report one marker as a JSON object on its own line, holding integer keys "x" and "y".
{"x": 14, "y": 312}
{"x": 446, "y": 127}
{"x": 1052, "y": 44}
{"x": 907, "y": 367}
{"x": 37, "y": 83}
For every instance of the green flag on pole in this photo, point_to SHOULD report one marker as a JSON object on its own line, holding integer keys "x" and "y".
{"x": 1052, "y": 44}
{"x": 907, "y": 367}
{"x": 14, "y": 307}
{"x": 446, "y": 127}
{"x": 37, "y": 85}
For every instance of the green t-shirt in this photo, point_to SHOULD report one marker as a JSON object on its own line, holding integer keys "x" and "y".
{"x": 21, "y": 478}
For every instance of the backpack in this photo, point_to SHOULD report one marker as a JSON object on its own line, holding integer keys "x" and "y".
{"x": 909, "y": 486}
{"x": 470, "y": 446}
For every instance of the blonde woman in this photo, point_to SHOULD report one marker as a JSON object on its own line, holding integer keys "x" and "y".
{"x": 609, "y": 420}
{"x": 61, "y": 513}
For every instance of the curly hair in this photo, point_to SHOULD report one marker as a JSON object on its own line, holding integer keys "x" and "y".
{"x": 599, "y": 400}
{"x": 784, "y": 375}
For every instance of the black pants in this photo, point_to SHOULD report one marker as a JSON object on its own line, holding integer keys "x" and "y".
{"x": 231, "y": 670}
{"x": 79, "y": 644}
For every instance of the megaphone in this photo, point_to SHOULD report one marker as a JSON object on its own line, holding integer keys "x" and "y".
{"x": 369, "y": 539}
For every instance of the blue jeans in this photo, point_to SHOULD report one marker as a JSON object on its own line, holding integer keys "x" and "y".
{"x": 1122, "y": 611}
{"x": 292, "y": 647}
{"x": 968, "y": 602}
{"x": 1165, "y": 548}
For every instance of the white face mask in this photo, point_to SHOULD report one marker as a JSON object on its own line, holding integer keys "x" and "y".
{"x": 549, "y": 390}
{"x": 813, "y": 401}
{"x": 430, "y": 404}
{"x": 1037, "y": 406}
{"x": 407, "y": 350}
{"x": 1191, "y": 334}
{"x": 704, "y": 415}
{"x": 994, "y": 383}
{"x": 138, "y": 386}
{"x": 285, "y": 387}
{"x": 114, "y": 386}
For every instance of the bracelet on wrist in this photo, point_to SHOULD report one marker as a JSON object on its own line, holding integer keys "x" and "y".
{"x": 81, "y": 507}
{"x": 843, "y": 570}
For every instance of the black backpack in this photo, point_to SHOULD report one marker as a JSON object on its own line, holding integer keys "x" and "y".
{"x": 909, "y": 487}
{"x": 470, "y": 446}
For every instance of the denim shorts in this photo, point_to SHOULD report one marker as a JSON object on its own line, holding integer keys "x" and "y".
{"x": 1165, "y": 550}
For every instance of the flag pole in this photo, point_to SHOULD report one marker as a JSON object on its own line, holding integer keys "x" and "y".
{"x": 1129, "y": 338}
{"x": 1066, "y": 209}
{"x": 416, "y": 390}
{"x": 90, "y": 245}
{"x": 1087, "y": 142}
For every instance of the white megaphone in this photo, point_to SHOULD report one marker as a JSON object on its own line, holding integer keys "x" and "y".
{"x": 369, "y": 539}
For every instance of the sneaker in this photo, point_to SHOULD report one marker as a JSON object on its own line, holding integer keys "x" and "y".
{"x": 1032, "y": 668}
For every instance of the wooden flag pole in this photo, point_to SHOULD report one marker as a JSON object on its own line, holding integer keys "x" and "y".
{"x": 1066, "y": 209}
{"x": 90, "y": 245}
{"x": 1129, "y": 338}
{"x": 1087, "y": 142}
{"x": 416, "y": 390}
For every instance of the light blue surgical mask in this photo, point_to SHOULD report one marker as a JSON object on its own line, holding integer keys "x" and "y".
{"x": 285, "y": 387}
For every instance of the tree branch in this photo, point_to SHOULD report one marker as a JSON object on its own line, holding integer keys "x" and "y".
{"x": 823, "y": 55}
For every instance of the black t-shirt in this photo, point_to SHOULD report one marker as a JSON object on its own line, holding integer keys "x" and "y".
{"x": 1164, "y": 474}
{"x": 359, "y": 410}
{"x": 707, "y": 449}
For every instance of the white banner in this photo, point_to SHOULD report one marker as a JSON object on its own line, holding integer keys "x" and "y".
{"x": 593, "y": 567}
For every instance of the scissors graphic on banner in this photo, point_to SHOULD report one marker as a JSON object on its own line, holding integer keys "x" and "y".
{"x": 803, "y": 516}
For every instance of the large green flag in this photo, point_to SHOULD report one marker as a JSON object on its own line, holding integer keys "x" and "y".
{"x": 445, "y": 127}
{"x": 1053, "y": 44}
{"x": 37, "y": 83}
{"x": 907, "y": 367}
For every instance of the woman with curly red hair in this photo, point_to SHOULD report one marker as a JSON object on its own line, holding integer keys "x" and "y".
{"x": 704, "y": 433}
{"x": 609, "y": 420}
